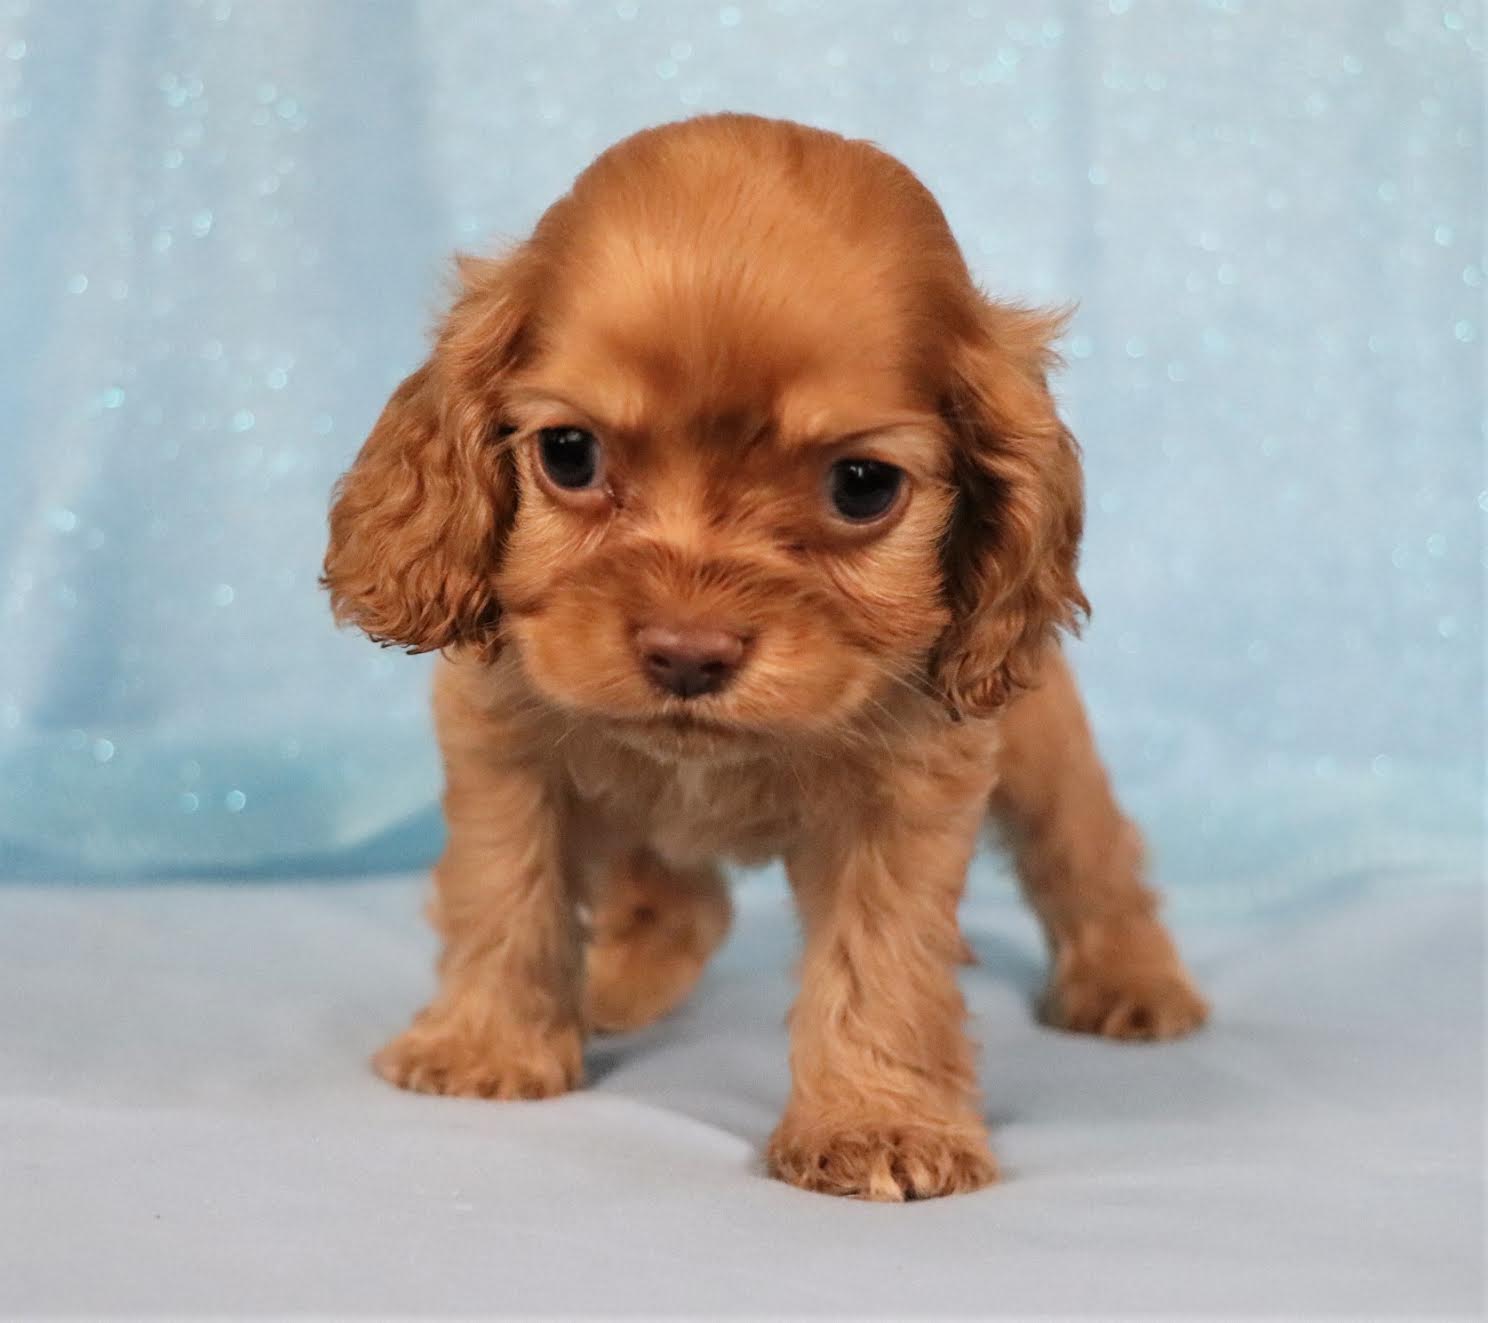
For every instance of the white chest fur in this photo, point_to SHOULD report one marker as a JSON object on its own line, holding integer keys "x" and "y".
{"x": 691, "y": 809}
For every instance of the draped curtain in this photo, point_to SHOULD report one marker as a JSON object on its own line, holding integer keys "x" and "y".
{"x": 224, "y": 232}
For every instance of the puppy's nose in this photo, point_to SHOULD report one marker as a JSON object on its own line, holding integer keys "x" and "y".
{"x": 690, "y": 661}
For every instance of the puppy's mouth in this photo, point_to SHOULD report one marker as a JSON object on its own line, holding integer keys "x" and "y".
{"x": 685, "y": 734}
{"x": 682, "y": 721}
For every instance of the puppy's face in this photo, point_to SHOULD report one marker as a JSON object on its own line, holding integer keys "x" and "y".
{"x": 730, "y": 446}
{"x": 724, "y": 523}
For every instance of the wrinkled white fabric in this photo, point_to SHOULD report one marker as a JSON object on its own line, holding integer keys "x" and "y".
{"x": 187, "y": 1123}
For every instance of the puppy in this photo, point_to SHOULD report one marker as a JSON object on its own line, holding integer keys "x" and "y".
{"x": 746, "y": 527}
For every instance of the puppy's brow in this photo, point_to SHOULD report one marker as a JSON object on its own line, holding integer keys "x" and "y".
{"x": 533, "y": 407}
{"x": 742, "y": 427}
{"x": 914, "y": 443}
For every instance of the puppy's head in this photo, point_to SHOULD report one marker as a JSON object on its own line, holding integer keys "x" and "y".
{"x": 731, "y": 442}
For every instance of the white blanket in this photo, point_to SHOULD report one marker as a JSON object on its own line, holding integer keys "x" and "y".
{"x": 188, "y": 1124}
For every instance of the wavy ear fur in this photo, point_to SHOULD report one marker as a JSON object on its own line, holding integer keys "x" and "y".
{"x": 1014, "y": 541}
{"x": 418, "y": 522}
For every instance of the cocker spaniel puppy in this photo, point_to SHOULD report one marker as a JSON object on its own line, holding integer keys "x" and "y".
{"x": 746, "y": 527}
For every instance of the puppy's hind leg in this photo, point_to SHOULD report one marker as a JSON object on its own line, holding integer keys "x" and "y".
{"x": 652, "y": 929}
{"x": 1115, "y": 969}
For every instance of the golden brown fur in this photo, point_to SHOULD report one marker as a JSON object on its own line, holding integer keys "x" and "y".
{"x": 730, "y": 306}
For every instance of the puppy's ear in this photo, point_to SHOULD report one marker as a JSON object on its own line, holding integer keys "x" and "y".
{"x": 418, "y": 522}
{"x": 1013, "y": 545}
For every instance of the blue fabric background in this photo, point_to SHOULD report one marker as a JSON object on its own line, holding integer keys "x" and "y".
{"x": 223, "y": 233}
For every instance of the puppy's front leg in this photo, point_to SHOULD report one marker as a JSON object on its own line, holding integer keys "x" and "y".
{"x": 883, "y": 1098}
{"x": 506, "y": 1021}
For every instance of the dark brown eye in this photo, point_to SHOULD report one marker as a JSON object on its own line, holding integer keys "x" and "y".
{"x": 570, "y": 457}
{"x": 864, "y": 489}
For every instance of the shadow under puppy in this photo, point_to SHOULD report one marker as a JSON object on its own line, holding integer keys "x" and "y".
{"x": 746, "y": 526}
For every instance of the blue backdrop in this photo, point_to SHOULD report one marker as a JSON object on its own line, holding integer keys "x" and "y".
{"x": 223, "y": 231}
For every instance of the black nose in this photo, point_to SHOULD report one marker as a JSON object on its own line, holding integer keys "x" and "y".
{"x": 688, "y": 662}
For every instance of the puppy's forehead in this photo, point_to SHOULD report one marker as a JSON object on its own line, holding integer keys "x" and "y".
{"x": 765, "y": 335}
{"x": 798, "y": 400}
{"x": 724, "y": 284}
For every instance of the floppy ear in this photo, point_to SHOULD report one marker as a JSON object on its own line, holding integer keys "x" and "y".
{"x": 418, "y": 522}
{"x": 1014, "y": 541}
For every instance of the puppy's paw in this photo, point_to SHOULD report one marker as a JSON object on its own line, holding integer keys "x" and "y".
{"x": 1121, "y": 977}
{"x": 652, "y": 932}
{"x": 887, "y": 1161}
{"x": 639, "y": 970}
{"x": 455, "y": 1054}
{"x": 628, "y": 986}
{"x": 1136, "y": 1004}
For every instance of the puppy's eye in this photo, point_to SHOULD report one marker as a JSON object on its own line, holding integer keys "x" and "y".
{"x": 570, "y": 457}
{"x": 864, "y": 489}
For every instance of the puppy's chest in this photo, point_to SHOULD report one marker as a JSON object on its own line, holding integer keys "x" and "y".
{"x": 692, "y": 811}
